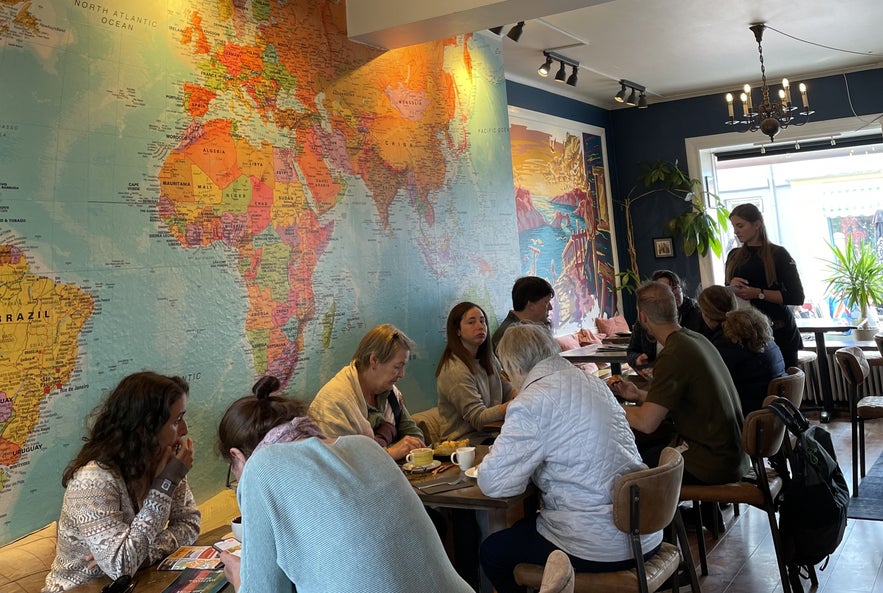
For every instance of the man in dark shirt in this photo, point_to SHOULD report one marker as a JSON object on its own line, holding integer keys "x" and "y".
{"x": 692, "y": 385}
{"x": 642, "y": 347}
{"x": 531, "y": 302}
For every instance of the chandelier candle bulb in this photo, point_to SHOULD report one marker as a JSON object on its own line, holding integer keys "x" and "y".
{"x": 730, "y": 105}
{"x": 747, "y": 90}
{"x": 787, "y": 88}
{"x": 803, "y": 97}
{"x": 744, "y": 99}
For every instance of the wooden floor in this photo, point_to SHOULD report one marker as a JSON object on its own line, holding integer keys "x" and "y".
{"x": 743, "y": 560}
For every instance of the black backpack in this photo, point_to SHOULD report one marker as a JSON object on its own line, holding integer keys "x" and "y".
{"x": 813, "y": 505}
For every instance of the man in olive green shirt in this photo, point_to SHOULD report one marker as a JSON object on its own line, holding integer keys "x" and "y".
{"x": 692, "y": 385}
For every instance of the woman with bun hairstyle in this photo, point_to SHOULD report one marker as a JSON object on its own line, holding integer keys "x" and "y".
{"x": 323, "y": 515}
{"x": 765, "y": 274}
{"x": 745, "y": 342}
{"x": 127, "y": 503}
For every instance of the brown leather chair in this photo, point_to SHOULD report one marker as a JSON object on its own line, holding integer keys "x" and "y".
{"x": 790, "y": 386}
{"x": 855, "y": 369}
{"x": 644, "y": 501}
{"x": 762, "y": 436}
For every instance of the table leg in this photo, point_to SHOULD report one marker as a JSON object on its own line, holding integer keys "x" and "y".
{"x": 824, "y": 378}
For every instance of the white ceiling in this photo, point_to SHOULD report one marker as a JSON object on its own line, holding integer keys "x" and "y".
{"x": 685, "y": 48}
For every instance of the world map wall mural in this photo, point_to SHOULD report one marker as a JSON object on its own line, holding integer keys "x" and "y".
{"x": 562, "y": 199}
{"x": 220, "y": 190}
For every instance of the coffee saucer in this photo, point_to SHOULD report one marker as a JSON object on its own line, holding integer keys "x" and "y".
{"x": 472, "y": 472}
{"x": 410, "y": 467}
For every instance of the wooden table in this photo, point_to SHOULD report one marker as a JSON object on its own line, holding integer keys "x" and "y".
{"x": 150, "y": 580}
{"x": 818, "y": 327}
{"x": 616, "y": 355}
{"x": 502, "y": 512}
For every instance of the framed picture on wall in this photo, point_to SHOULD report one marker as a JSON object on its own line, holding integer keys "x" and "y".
{"x": 663, "y": 247}
{"x": 565, "y": 214}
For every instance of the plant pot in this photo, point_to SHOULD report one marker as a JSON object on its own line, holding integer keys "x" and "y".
{"x": 864, "y": 335}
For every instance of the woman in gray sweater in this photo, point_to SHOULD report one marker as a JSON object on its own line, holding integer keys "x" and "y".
{"x": 471, "y": 391}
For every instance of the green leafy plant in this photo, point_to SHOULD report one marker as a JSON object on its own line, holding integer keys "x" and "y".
{"x": 698, "y": 229}
{"x": 856, "y": 276}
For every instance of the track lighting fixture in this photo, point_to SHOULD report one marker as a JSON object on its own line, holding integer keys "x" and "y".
{"x": 563, "y": 61}
{"x": 561, "y": 75}
{"x": 516, "y": 31}
{"x": 631, "y": 98}
{"x": 546, "y": 67}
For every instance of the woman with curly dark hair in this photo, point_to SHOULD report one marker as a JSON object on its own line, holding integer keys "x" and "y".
{"x": 127, "y": 502}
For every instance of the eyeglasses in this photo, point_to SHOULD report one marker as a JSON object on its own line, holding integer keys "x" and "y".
{"x": 232, "y": 481}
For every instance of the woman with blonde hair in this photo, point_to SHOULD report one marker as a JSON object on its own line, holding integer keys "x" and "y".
{"x": 744, "y": 339}
{"x": 362, "y": 397}
{"x": 765, "y": 274}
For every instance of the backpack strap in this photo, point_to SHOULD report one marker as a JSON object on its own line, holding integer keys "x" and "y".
{"x": 793, "y": 418}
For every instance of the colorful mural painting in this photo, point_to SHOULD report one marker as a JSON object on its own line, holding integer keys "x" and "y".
{"x": 563, "y": 205}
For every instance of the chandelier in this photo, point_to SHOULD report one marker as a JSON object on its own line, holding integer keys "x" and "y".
{"x": 769, "y": 117}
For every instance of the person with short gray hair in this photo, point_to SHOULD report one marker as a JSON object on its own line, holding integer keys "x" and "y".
{"x": 565, "y": 432}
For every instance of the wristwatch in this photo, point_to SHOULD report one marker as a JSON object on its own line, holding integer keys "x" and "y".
{"x": 761, "y": 296}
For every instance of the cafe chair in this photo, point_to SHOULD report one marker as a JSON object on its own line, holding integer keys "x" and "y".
{"x": 855, "y": 369}
{"x": 762, "y": 436}
{"x": 644, "y": 501}
{"x": 790, "y": 386}
{"x": 429, "y": 421}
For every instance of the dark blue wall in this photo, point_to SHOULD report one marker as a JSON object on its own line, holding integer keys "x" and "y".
{"x": 637, "y": 136}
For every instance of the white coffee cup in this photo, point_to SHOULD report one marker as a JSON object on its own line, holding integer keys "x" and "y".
{"x": 236, "y": 528}
{"x": 464, "y": 457}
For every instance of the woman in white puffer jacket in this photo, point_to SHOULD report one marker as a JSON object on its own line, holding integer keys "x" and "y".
{"x": 567, "y": 433}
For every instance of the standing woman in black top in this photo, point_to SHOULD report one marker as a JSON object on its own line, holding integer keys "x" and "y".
{"x": 766, "y": 275}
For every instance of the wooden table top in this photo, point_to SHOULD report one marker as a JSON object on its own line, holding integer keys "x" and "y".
{"x": 150, "y": 580}
{"x": 470, "y": 497}
{"x": 597, "y": 353}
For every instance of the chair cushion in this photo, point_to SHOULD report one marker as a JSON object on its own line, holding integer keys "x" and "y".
{"x": 870, "y": 406}
{"x": 567, "y": 341}
{"x": 661, "y": 566}
{"x": 612, "y": 325}
{"x": 25, "y": 562}
{"x": 736, "y": 492}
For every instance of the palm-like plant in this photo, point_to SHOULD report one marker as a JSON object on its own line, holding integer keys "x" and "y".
{"x": 856, "y": 275}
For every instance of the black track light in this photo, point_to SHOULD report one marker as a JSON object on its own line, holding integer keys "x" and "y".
{"x": 546, "y": 67}
{"x": 571, "y": 80}
{"x": 642, "y": 101}
{"x": 561, "y": 75}
{"x": 633, "y": 98}
{"x": 496, "y": 30}
{"x": 620, "y": 96}
{"x": 516, "y": 31}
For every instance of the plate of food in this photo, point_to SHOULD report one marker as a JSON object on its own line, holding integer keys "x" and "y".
{"x": 446, "y": 448}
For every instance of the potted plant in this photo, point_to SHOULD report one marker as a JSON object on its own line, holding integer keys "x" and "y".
{"x": 856, "y": 278}
{"x": 699, "y": 227}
